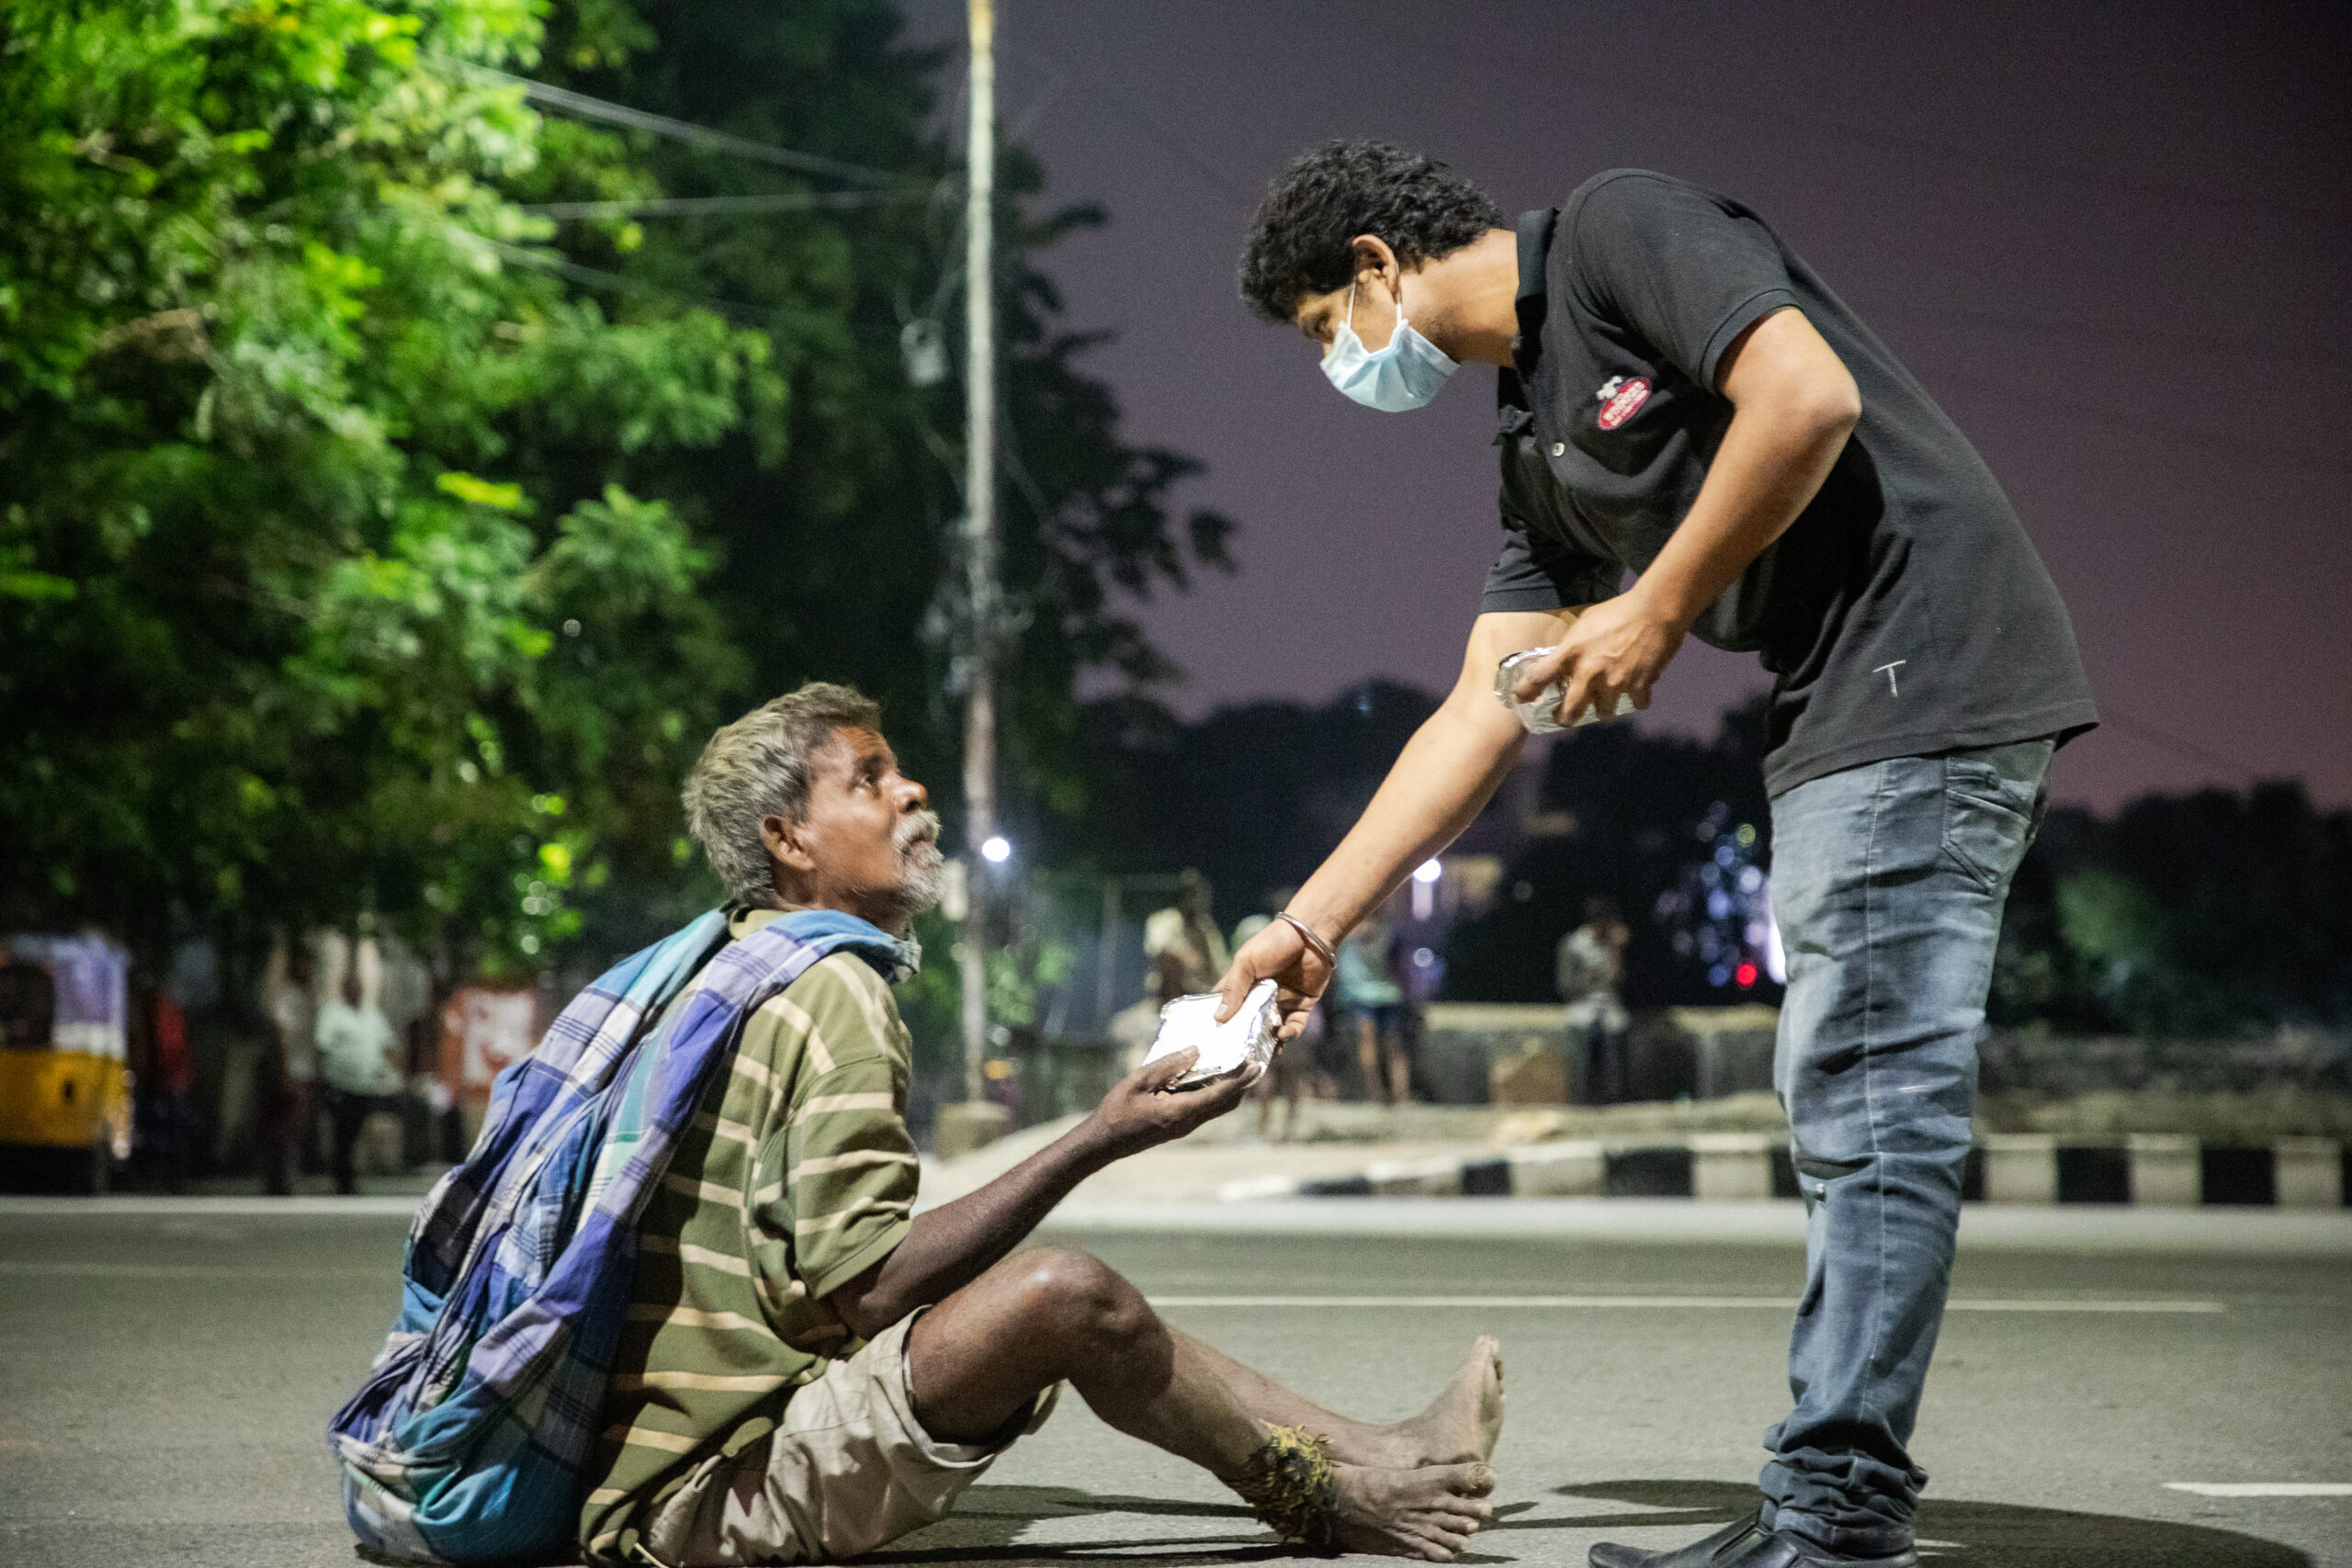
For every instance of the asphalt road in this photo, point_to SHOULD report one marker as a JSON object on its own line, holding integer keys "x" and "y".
{"x": 164, "y": 1379}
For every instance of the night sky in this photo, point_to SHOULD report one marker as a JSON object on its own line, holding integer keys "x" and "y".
{"x": 2111, "y": 239}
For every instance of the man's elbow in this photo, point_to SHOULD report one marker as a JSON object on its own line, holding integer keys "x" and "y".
{"x": 867, "y": 1305}
{"x": 1837, "y": 400}
{"x": 1825, "y": 403}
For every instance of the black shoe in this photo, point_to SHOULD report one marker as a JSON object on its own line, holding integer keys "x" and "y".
{"x": 1747, "y": 1544}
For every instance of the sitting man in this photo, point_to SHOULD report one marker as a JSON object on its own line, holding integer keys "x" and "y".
{"x": 810, "y": 1370}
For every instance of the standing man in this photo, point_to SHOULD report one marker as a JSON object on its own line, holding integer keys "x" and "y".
{"x": 294, "y": 1016}
{"x": 1681, "y": 398}
{"x": 355, "y": 1047}
{"x": 1186, "y": 951}
{"x": 1587, "y": 968}
{"x": 1373, "y": 1004}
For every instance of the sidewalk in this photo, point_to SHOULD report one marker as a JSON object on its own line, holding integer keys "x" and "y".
{"x": 1336, "y": 1140}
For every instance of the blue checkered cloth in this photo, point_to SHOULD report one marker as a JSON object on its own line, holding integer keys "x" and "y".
{"x": 468, "y": 1441}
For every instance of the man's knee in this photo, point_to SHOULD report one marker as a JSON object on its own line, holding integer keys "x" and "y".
{"x": 1075, "y": 1295}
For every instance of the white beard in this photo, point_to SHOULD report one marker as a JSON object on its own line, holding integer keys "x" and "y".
{"x": 922, "y": 870}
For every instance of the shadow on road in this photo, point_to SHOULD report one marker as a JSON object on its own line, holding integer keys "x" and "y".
{"x": 986, "y": 1526}
{"x": 989, "y": 1518}
{"x": 1980, "y": 1535}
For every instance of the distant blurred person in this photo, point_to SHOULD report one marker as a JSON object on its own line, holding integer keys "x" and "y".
{"x": 1186, "y": 951}
{"x": 1374, "y": 1003}
{"x": 1589, "y": 967}
{"x": 291, "y": 1067}
{"x": 169, "y": 1132}
{"x": 357, "y": 1060}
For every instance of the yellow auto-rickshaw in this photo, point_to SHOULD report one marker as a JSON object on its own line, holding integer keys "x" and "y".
{"x": 64, "y": 1084}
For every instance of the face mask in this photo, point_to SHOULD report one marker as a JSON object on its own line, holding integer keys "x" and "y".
{"x": 1404, "y": 375}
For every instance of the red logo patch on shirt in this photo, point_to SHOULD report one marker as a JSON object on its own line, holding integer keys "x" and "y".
{"x": 1623, "y": 402}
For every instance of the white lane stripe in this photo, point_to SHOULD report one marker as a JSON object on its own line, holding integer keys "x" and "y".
{"x": 1989, "y": 1305}
{"x": 1774, "y": 1303}
{"x": 2263, "y": 1488}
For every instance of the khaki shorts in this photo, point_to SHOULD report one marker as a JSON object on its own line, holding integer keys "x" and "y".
{"x": 849, "y": 1470}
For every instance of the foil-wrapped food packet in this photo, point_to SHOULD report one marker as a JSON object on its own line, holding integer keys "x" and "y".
{"x": 1540, "y": 712}
{"x": 1246, "y": 1038}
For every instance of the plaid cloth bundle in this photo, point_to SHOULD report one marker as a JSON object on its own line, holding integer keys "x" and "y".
{"x": 467, "y": 1441}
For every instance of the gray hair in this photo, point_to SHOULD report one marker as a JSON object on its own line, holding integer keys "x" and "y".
{"x": 759, "y": 766}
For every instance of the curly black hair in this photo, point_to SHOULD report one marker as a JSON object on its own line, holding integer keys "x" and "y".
{"x": 1299, "y": 241}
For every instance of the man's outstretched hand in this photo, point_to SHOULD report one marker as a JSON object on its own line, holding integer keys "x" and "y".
{"x": 1278, "y": 954}
{"x": 951, "y": 1246}
{"x": 1143, "y": 1110}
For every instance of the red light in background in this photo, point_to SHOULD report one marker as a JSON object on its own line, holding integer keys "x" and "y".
{"x": 1747, "y": 975}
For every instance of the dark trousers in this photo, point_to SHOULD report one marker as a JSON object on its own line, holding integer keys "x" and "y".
{"x": 349, "y": 1113}
{"x": 284, "y": 1124}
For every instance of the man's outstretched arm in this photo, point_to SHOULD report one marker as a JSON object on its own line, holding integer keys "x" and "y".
{"x": 953, "y": 1244}
{"x": 1440, "y": 783}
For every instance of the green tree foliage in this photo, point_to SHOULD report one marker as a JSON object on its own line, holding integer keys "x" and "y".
{"x": 298, "y": 612}
{"x": 2205, "y": 915}
{"x": 834, "y": 517}
{"x": 368, "y": 538}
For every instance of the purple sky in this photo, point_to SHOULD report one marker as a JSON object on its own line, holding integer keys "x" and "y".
{"x": 2113, "y": 239}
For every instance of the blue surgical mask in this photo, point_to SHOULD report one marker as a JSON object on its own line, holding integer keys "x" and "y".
{"x": 1404, "y": 375}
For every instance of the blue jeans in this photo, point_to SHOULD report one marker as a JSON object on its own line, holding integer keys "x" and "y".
{"x": 1888, "y": 881}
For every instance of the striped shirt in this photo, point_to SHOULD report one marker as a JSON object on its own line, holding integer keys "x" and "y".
{"x": 796, "y": 1177}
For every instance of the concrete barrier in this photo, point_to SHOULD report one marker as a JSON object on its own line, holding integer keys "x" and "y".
{"x": 1731, "y": 1165}
{"x": 2308, "y": 1173}
{"x": 1436, "y": 1178}
{"x": 2021, "y": 1167}
{"x": 1575, "y": 1168}
{"x": 2166, "y": 1170}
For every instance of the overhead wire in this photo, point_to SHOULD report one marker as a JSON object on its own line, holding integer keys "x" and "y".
{"x": 2164, "y": 739}
{"x": 2273, "y": 351}
{"x": 723, "y": 206}
{"x": 597, "y": 278}
{"x": 1646, "y": 95}
{"x": 2208, "y": 443}
{"x": 549, "y": 95}
{"x": 1216, "y": 180}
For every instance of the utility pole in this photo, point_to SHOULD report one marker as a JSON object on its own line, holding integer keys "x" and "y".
{"x": 979, "y": 540}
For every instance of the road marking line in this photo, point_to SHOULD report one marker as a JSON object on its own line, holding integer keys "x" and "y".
{"x": 1990, "y": 1304}
{"x": 2263, "y": 1488}
{"x": 1774, "y": 1303}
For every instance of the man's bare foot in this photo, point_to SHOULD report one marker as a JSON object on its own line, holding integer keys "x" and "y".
{"x": 1461, "y": 1423}
{"x": 1430, "y": 1513}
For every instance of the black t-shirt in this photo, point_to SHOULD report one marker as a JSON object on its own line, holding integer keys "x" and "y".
{"x": 1904, "y": 612}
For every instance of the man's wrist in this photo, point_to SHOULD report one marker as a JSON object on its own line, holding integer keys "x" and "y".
{"x": 1670, "y": 605}
{"x": 1092, "y": 1145}
{"x": 1323, "y": 947}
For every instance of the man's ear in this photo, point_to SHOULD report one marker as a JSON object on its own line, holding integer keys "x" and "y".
{"x": 784, "y": 842}
{"x": 1374, "y": 259}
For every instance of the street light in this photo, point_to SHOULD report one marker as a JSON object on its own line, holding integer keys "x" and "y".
{"x": 1425, "y": 877}
{"x": 995, "y": 850}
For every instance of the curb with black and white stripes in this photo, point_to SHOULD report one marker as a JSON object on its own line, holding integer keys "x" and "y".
{"x": 2160, "y": 1170}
